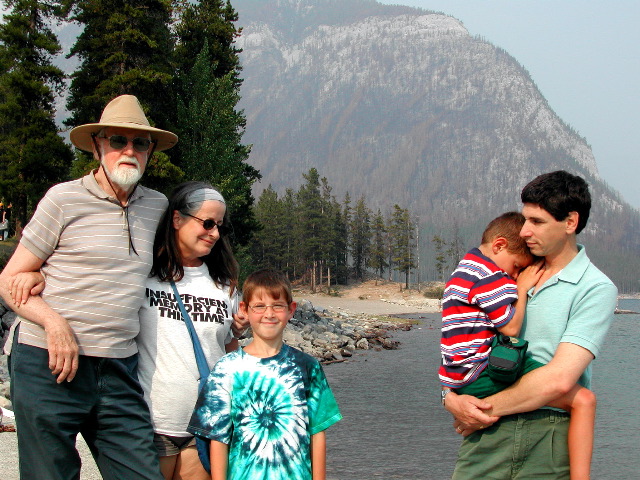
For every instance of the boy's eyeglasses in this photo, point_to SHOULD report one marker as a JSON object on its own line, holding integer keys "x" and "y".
{"x": 209, "y": 223}
{"x": 261, "y": 308}
{"x": 118, "y": 142}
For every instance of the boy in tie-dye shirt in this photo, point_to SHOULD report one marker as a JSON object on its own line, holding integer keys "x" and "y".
{"x": 266, "y": 406}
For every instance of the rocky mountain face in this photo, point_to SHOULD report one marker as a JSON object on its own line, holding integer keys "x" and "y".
{"x": 403, "y": 106}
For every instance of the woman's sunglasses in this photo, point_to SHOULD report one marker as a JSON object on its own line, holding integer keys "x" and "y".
{"x": 209, "y": 223}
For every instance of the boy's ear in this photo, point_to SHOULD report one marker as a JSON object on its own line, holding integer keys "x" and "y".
{"x": 499, "y": 244}
{"x": 243, "y": 307}
{"x": 292, "y": 307}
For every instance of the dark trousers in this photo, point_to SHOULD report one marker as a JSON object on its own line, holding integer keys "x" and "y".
{"x": 104, "y": 403}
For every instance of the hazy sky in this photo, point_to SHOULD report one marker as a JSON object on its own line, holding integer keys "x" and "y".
{"x": 584, "y": 55}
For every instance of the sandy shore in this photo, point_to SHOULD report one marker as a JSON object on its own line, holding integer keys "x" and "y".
{"x": 349, "y": 303}
{"x": 386, "y": 304}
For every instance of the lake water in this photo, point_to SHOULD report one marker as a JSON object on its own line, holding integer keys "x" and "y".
{"x": 394, "y": 426}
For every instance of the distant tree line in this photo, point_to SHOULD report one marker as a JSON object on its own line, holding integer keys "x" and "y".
{"x": 311, "y": 236}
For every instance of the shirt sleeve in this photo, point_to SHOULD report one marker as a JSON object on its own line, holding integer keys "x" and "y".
{"x": 42, "y": 233}
{"x": 211, "y": 417}
{"x": 323, "y": 408}
{"x": 495, "y": 295}
{"x": 591, "y": 317}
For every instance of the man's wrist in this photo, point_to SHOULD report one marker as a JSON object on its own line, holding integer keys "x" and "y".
{"x": 443, "y": 394}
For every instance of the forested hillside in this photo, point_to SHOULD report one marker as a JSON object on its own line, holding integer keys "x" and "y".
{"x": 405, "y": 107}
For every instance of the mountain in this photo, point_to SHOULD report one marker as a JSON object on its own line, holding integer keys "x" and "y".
{"x": 404, "y": 106}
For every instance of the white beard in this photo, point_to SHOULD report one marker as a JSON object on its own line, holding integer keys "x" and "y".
{"x": 124, "y": 177}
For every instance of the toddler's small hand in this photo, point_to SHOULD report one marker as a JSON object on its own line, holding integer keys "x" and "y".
{"x": 530, "y": 276}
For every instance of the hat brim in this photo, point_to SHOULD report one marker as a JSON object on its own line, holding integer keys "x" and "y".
{"x": 81, "y": 136}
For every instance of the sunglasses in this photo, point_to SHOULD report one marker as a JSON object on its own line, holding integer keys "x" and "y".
{"x": 140, "y": 144}
{"x": 209, "y": 223}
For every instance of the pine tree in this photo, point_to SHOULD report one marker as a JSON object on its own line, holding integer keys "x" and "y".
{"x": 340, "y": 229}
{"x": 440, "y": 258}
{"x": 454, "y": 252}
{"x": 328, "y": 235}
{"x": 378, "y": 253}
{"x": 346, "y": 218}
{"x": 209, "y": 124}
{"x": 289, "y": 226}
{"x": 32, "y": 154}
{"x": 309, "y": 225}
{"x": 125, "y": 48}
{"x": 211, "y": 132}
{"x": 269, "y": 247}
{"x": 401, "y": 230}
{"x": 213, "y": 22}
{"x": 360, "y": 237}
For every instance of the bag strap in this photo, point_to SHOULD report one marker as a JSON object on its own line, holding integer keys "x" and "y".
{"x": 201, "y": 360}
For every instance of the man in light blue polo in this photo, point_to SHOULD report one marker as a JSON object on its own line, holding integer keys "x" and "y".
{"x": 568, "y": 314}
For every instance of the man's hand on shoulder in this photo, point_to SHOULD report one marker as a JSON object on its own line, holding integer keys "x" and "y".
{"x": 470, "y": 413}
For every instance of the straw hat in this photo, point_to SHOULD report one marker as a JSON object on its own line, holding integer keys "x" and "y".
{"x": 123, "y": 111}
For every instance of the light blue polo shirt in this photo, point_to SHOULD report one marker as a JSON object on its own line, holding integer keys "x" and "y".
{"x": 574, "y": 306}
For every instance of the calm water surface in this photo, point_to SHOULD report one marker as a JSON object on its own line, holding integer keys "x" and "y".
{"x": 395, "y": 428}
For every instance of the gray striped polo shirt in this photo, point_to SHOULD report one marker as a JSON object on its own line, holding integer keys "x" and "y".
{"x": 93, "y": 278}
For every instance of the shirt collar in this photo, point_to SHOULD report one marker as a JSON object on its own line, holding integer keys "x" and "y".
{"x": 573, "y": 272}
{"x": 91, "y": 184}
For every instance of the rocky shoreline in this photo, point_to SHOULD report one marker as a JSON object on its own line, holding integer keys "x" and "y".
{"x": 329, "y": 336}
{"x": 7, "y": 318}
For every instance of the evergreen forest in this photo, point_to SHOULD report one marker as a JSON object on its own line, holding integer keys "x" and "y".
{"x": 179, "y": 59}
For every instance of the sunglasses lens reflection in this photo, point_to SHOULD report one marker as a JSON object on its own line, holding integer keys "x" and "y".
{"x": 118, "y": 142}
{"x": 141, "y": 144}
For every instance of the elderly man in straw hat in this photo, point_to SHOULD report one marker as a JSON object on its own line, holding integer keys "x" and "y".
{"x": 73, "y": 355}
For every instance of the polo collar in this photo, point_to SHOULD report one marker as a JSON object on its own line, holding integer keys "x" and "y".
{"x": 91, "y": 184}
{"x": 573, "y": 272}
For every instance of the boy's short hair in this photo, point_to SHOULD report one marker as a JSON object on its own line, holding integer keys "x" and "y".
{"x": 274, "y": 282}
{"x": 507, "y": 225}
{"x": 560, "y": 193}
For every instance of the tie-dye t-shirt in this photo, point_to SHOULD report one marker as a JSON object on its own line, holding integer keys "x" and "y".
{"x": 266, "y": 410}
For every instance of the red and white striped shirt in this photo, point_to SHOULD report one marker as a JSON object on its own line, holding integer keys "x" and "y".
{"x": 478, "y": 298}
